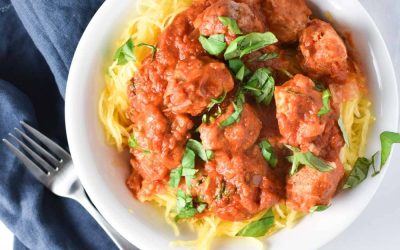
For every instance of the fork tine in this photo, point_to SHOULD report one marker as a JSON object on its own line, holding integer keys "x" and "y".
{"x": 40, "y": 149}
{"x": 34, "y": 155}
{"x": 52, "y": 146}
{"x": 30, "y": 165}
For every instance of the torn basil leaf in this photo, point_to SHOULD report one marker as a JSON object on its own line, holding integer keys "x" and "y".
{"x": 268, "y": 153}
{"x": 231, "y": 24}
{"x": 358, "y": 173}
{"x": 261, "y": 85}
{"x": 308, "y": 159}
{"x": 185, "y": 207}
{"x": 344, "y": 132}
{"x": 125, "y": 53}
{"x": 216, "y": 101}
{"x": 238, "y": 108}
{"x": 265, "y": 57}
{"x": 152, "y": 47}
{"x": 326, "y": 95}
{"x": 238, "y": 69}
{"x": 175, "y": 177}
{"x": 132, "y": 142}
{"x": 319, "y": 208}
{"x": 214, "y": 45}
{"x": 387, "y": 140}
{"x": 260, "y": 227}
{"x": 199, "y": 150}
{"x": 249, "y": 43}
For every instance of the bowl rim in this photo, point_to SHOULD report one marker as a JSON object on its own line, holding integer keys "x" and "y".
{"x": 91, "y": 185}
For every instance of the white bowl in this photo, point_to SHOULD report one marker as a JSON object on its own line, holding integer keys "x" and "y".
{"x": 103, "y": 171}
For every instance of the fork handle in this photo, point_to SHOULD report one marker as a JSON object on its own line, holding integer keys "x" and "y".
{"x": 120, "y": 241}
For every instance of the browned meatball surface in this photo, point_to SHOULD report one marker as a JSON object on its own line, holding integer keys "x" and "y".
{"x": 286, "y": 18}
{"x": 323, "y": 52}
{"x": 208, "y": 23}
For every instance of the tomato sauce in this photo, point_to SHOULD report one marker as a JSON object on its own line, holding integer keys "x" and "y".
{"x": 171, "y": 92}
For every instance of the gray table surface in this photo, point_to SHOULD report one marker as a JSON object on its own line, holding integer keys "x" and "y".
{"x": 378, "y": 227}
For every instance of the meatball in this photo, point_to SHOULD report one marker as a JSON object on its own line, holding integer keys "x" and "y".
{"x": 309, "y": 187}
{"x": 195, "y": 82}
{"x": 323, "y": 53}
{"x": 240, "y": 184}
{"x": 209, "y": 24}
{"x": 238, "y": 136}
{"x": 297, "y": 107}
{"x": 286, "y": 18}
{"x": 160, "y": 142}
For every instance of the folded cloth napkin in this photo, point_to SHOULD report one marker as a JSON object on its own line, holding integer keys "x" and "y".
{"x": 37, "y": 42}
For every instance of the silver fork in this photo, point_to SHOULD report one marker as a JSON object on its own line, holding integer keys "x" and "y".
{"x": 58, "y": 175}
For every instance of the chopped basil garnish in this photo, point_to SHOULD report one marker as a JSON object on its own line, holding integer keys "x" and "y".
{"x": 387, "y": 140}
{"x": 132, "y": 142}
{"x": 299, "y": 158}
{"x": 125, "y": 53}
{"x": 238, "y": 69}
{"x": 231, "y": 24}
{"x": 344, "y": 132}
{"x": 326, "y": 95}
{"x": 175, "y": 177}
{"x": 268, "y": 153}
{"x": 184, "y": 206}
{"x": 235, "y": 116}
{"x": 261, "y": 85}
{"x": 214, "y": 45}
{"x": 358, "y": 173}
{"x": 319, "y": 208}
{"x": 187, "y": 167}
{"x": 265, "y": 57}
{"x": 260, "y": 227}
{"x": 152, "y": 47}
{"x": 216, "y": 101}
{"x": 246, "y": 44}
{"x": 198, "y": 148}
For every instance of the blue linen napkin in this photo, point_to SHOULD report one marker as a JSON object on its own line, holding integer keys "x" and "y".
{"x": 37, "y": 42}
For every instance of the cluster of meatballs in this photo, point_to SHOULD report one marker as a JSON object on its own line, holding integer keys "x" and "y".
{"x": 170, "y": 93}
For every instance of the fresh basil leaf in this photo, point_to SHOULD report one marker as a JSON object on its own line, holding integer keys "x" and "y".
{"x": 152, "y": 47}
{"x": 214, "y": 45}
{"x": 231, "y": 24}
{"x": 209, "y": 154}
{"x": 308, "y": 159}
{"x": 319, "y": 208}
{"x": 235, "y": 65}
{"x": 373, "y": 165}
{"x": 344, "y": 132}
{"x": 242, "y": 73}
{"x": 188, "y": 162}
{"x": 260, "y": 227}
{"x": 175, "y": 177}
{"x": 235, "y": 116}
{"x": 265, "y": 57}
{"x": 184, "y": 206}
{"x": 132, "y": 142}
{"x": 216, "y": 101}
{"x": 387, "y": 140}
{"x": 249, "y": 43}
{"x": 201, "y": 207}
{"x": 261, "y": 85}
{"x": 326, "y": 95}
{"x": 125, "y": 53}
{"x": 199, "y": 150}
{"x": 358, "y": 173}
{"x": 268, "y": 153}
